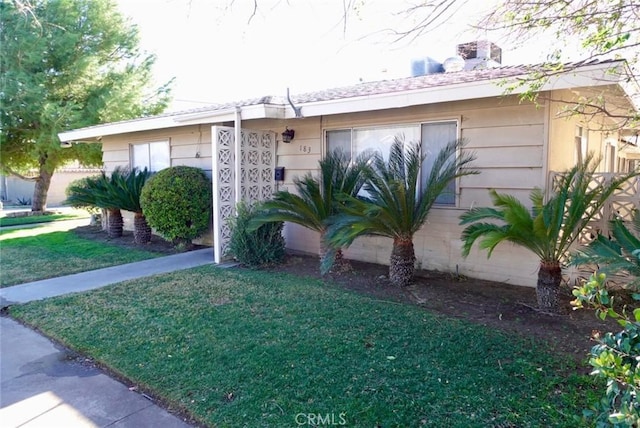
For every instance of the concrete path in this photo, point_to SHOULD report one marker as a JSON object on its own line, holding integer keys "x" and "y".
{"x": 43, "y": 385}
{"x": 90, "y": 280}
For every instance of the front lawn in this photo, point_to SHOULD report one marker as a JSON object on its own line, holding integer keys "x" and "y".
{"x": 249, "y": 348}
{"x": 24, "y": 220}
{"x": 33, "y": 254}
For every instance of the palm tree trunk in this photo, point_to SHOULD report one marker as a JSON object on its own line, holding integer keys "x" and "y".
{"x": 548, "y": 287}
{"x": 115, "y": 223}
{"x": 340, "y": 264}
{"x": 141, "y": 229}
{"x": 402, "y": 264}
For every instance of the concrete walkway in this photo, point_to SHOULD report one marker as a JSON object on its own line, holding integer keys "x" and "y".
{"x": 90, "y": 280}
{"x": 43, "y": 385}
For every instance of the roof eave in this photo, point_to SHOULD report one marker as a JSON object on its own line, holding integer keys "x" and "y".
{"x": 596, "y": 75}
{"x": 259, "y": 111}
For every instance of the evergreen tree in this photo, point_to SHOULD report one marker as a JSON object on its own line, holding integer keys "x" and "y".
{"x": 66, "y": 64}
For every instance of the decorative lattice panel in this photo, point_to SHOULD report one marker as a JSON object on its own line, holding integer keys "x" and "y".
{"x": 620, "y": 205}
{"x": 257, "y": 155}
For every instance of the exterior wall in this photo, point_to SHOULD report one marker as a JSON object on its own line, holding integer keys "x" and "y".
{"x": 302, "y": 154}
{"x": 189, "y": 145}
{"x": 601, "y": 133}
{"x": 14, "y": 188}
{"x": 508, "y": 138}
{"x": 516, "y": 144}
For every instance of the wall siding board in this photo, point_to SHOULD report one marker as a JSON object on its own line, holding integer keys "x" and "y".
{"x": 116, "y": 156}
{"x": 509, "y": 157}
{"x": 480, "y": 197}
{"x": 299, "y": 163}
{"x": 191, "y": 151}
{"x": 501, "y": 136}
{"x": 518, "y": 178}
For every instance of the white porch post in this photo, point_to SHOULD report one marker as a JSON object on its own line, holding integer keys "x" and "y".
{"x": 238, "y": 156}
{"x": 214, "y": 193}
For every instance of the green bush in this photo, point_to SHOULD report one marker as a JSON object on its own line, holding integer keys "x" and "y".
{"x": 616, "y": 357}
{"x": 263, "y": 246}
{"x": 79, "y": 194}
{"x": 177, "y": 203}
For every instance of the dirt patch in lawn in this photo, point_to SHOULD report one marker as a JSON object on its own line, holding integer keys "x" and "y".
{"x": 497, "y": 305}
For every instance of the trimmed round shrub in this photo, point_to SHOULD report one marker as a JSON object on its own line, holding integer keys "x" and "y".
{"x": 177, "y": 203}
{"x": 259, "y": 247}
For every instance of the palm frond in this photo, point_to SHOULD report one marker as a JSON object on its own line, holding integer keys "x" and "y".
{"x": 515, "y": 224}
{"x": 551, "y": 227}
{"x": 124, "y": 188}
{"x": 395, "y": 205}
{"x": 316, "y": 198}
{"x": 619, "y": 253}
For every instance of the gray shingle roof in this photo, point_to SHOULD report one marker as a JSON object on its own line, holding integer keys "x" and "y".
{"x": 381, "y": 87}
{"x": 397, "y": 85}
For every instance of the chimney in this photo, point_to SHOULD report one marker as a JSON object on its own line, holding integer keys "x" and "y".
{"x": 480, "y": 54}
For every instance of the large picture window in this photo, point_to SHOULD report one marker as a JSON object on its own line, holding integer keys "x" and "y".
{"x": 432, "y": 137}
{"x": 154, "y": 156}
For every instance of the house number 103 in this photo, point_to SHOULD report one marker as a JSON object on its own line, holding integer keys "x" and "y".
{"x": 305, "y": 149}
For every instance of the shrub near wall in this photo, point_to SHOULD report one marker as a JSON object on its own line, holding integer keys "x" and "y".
{"x": 263, "y": 246}
{"x": 177, "y": 203}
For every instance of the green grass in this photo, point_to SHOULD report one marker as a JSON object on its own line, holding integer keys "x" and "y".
{"x": 28, "y": 255}
{"x": 248, "y": 348}
{"x": 15, "y": 221}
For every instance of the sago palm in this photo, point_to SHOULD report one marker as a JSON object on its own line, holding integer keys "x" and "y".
{"x": 618, "y": 253}
{"x": 396, "y": 206}
{"x": 94, "y": 191}
{"x": 548, "y": 229}
{"x": 315, "y": 198}
{"x": 124, "y": 188}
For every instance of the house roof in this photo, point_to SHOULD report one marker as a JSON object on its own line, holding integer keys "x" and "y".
{"x": 367, "y": 96}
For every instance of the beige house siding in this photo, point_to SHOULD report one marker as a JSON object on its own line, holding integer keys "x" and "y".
{"x": 189, "y": 145}
{"x": 508, "y": 138}
{"x": 562, "y": 133}
{"x": 516, "y": 144}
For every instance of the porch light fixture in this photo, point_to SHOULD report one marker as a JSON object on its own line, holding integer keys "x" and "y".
{"x": 288, "y": 135}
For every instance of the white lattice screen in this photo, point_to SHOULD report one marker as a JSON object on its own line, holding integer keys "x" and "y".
{"x": 621, "y": 204}
{"x": 258, "y": 157}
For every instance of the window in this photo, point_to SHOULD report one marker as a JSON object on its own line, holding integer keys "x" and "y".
{"x": 581, "y": 144}
{"x": 435, "y": 136}
{"x": 154, "y": 156}
{"x": 610, "y": 157}
{"x": 432, "y": 137}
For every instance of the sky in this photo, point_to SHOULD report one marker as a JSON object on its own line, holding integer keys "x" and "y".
{"x": 218, "y": 52}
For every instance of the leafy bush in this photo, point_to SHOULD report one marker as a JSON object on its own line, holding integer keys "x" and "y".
{"x": 177, "y": 203}
{"x": 261, "y": 246}
{"x": 616, "y": 357}
{"x": 79, "y": 195}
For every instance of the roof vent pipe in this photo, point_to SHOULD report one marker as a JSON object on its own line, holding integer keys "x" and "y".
{"x": 453, "y": 64}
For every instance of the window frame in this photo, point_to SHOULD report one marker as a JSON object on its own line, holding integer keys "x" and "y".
{"x": 581, "y": 142}
{"x": 149, "y": 144}
{"x": 448, "y": 119}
